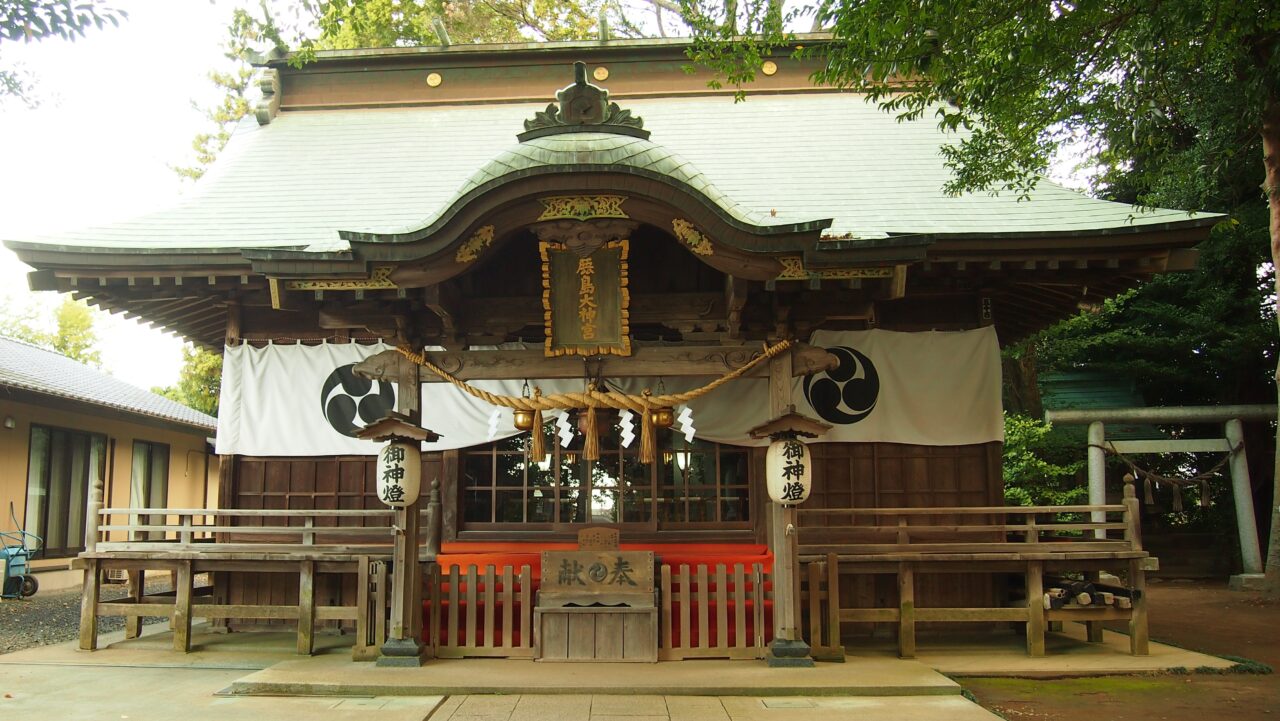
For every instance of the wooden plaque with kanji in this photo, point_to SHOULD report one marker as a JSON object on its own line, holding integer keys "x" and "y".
{"x": 585, "y": 299}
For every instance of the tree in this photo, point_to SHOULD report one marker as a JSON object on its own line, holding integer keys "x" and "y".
{"x": 347, "y": 24}
{"x": 199, "y": 381}
{"x": 73, "y": 336}
{"x": 1178, "y": 92}
{"x": 1040, "y": 468}
{"x": 32, "y": 20}
{"x": 244, "y": 32}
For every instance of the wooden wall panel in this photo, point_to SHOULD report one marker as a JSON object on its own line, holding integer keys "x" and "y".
{"x": 893, "y": 475}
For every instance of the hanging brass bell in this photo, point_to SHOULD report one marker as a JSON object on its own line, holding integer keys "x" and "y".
{"x": 663, "y": 417}
{"x": 523, "y": 419}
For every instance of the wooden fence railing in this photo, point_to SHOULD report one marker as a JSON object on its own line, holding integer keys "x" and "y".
{"x": 238, "y": 530}
{"x": 707, "y": 611}
{"x": 978, "y": 530}
{"x": 1044, "y": 539}
{"x": 712, "y": 612}
{"x": 479, "y": 612}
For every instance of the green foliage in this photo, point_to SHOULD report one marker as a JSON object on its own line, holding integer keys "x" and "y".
{"x": 1040, "y": 465}
{"x": 199, "y": 381}
{"x": 397, "y": 23}
{"x": 1202, "y": 337}
{"x": 1022, "y": 80}
{"x": 349, "y": 24}
{"x": 33, "y": 20}
{"x": 73, "y": 336}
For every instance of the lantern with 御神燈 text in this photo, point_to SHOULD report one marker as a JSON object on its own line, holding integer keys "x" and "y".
{"x": 788, "y": 465}
{"x": 399, "y": 473}
{"x": 399, "y": 467}
{"x": 788, "y": 471}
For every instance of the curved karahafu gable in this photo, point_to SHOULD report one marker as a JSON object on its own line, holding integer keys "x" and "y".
{"x": 582, "y": 142}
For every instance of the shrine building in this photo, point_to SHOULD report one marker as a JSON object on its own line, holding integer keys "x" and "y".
{"x": 552, "y": 351}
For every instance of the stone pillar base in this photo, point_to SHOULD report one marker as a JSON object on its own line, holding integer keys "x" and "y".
{"x": 1247, "y": 582}
{"x": 401, "y": 652}
{"x": 784, "y": 653}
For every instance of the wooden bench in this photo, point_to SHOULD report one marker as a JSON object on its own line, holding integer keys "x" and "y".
{"x": 187, "y": 542}
{"x": 1037, "y": 545}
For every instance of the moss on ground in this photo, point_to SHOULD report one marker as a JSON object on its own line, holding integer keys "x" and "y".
{"x": 1033, "y": 688}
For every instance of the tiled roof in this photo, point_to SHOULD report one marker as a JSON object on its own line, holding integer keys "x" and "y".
{"x": 298, "y": 181}
{"x": 31, "y": 368}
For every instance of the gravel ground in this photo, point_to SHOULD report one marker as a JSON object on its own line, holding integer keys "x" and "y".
{"x": 54, "y": 616}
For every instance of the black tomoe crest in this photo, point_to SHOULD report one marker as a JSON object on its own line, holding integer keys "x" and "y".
{"x": 847, "y": 393}
{"x": 350, "y": 402}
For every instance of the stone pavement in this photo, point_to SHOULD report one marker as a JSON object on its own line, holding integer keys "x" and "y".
{"x": 258, "y": 677}
{"x": 570, "y": 707}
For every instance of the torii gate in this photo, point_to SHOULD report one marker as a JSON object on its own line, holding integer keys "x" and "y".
{"x": 1232, "y": 442}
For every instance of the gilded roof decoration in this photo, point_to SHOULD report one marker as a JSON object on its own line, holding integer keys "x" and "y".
{"x": 582, "y": 107}
{"x": 582, "y": 207}
{"x": 793, "y": 269}
{"x": 478, "y": 241}
{"x": 689, "y": 235}
{"x": 379, "y": 279}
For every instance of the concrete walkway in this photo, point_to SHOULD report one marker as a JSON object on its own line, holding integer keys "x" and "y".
{"x": 100, "y": 692}
{"x": 233, "y": 678}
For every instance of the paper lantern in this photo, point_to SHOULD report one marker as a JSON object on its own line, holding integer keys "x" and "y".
{"x": 788, "y": 471}
{"x": 399, "y": 473}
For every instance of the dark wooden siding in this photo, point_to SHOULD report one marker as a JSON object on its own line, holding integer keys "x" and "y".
{"x": 895, "y": 475}
{"x": 323, "y": 483}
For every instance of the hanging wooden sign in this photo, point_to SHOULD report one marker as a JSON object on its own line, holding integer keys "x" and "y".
{"x": 585, "y": 298}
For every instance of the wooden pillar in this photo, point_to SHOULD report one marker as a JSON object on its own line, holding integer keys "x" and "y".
{"x": 93, "y": 516}
{"x": 1138, "y": 641}
{"x": 1035, "y": 608}
{"x": 181, "y": 620}
{"x": 433, "y": 521}
{"x": 307, "y": 608}
{"x": 906, "y": 611}
{"x": 403, "y": 646}
{"x": 1093, "y": 629}
{"x": 137, "y": 591}
{"x": 89, "y": 605}
{"x": 788, "y": 648}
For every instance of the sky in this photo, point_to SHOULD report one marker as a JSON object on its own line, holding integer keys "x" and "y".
{"x": 115, "y": 113}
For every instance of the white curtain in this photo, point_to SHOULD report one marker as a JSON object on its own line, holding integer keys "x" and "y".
{"x": 923, "y": 388}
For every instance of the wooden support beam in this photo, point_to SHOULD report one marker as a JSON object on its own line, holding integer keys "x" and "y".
{"x": 89, "y": 595}
{"x": 669, "y": 361}
{"x": 1035, "y": 608}
{"x": 181, "y": 621}
{"x": 735, "y": 292}
{"x": 137, "y": 590}
{"x": 442, "y": 299}
{"x": 1139, "y": 642}
{"x": 1093, "y": 629}
{"x": 307, "y": 608}
{"x": 906, "y": 611}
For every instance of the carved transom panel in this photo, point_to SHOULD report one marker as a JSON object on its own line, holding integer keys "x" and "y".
{"x": 582, "y": 207}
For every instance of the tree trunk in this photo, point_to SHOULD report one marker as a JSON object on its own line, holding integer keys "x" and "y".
{"x": 1271, "y": 186}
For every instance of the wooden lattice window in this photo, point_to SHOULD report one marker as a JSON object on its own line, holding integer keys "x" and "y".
{"x": 692, "y": 485}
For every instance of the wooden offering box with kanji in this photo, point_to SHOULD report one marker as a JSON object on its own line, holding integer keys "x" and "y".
{"x": 596, "y": 605}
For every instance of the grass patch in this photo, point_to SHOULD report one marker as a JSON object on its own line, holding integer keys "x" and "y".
{"x": 1241, "y": 665}
{"x": 1066, "y": 687}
